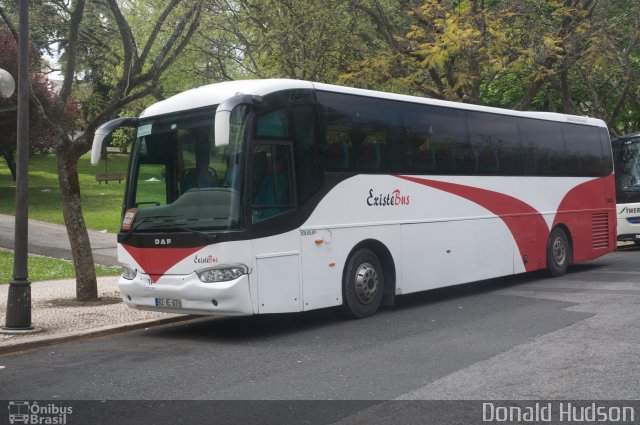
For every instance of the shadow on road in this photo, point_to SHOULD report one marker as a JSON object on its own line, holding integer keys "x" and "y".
{"x": 433, "y": 303}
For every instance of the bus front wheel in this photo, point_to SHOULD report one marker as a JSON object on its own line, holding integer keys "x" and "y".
{"x": 558, "y": 252}
{"x": 363, "y": 284}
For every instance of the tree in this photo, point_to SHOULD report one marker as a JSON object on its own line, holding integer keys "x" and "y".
{"x": 605, "y": 79}
{"x": 570, "y": 56}
{"x": 280, "y": 39}
{"x": 98, "y": 36}
{"x": 41, "y": 134}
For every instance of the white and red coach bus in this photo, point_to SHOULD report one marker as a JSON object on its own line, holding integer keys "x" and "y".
{"x": 270, "y": 196}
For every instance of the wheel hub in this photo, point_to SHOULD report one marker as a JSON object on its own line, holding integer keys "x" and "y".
{"x": 367, "y": 283}
{"x": 559, "y": 251}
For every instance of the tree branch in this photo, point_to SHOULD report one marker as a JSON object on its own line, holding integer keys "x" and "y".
{"x": 170, "y": 50}
{"x": 156, "y": 30}
{"x": 72, "y": 48}
{"x": 130, "y": 64}
{"x": 193, "y": 19}
{"x": 7, "y": 21}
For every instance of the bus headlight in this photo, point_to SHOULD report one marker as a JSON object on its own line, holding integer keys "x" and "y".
{"x": 128, "y": 273}
{"x": 222, "y": 273}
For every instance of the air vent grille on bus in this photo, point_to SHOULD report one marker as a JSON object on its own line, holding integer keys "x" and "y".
{"x": 600, "y": 230}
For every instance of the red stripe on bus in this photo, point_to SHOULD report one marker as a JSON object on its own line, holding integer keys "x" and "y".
{"x": 156, "y": 261}
{"x": 526, "y": 224}
{"x": 577, "y": 209}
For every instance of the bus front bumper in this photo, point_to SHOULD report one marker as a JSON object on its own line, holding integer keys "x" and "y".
{"x": 629, "y": 229}
{"x": 186, "y": 294}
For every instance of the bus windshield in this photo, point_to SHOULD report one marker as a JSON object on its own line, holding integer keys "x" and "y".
{"x": 626, "y": 157}
{"x": 183, "y": 179}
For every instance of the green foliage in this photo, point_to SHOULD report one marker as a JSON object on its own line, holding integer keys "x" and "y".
{"x": 123, "y": 138}
{"x": 42, "y": 134}
{"x": 47, "y": 268}
{"x": 571, "y": 56}
{"x": 101, "y": 203}
{"x": 280, "y": 39}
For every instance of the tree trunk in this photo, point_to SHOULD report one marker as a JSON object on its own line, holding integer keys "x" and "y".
{"x": 10, "y": 158}
{"x": 86, "y": 283}
{"x": 567, "y": 104}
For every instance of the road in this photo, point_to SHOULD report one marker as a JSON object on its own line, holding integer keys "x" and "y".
{"x": 521, "y": 337}
{"x": 51, "y": 240}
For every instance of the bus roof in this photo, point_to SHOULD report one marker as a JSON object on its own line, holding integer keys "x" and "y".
{"x": 214, "y": 94}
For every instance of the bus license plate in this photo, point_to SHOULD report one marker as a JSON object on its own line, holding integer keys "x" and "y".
{"x": 168, "y": 302}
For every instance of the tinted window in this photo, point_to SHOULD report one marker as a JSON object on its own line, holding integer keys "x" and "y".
{"x": 361, "y": 133}
{"x": 274, "y": 124}
{"x": 543, "y": 150}
{"x": 584, "y": 151}
{"x": 436, "y": 140}
{"x": 607, "y": 161}
{"x": 495, "y": 144}
{"x": 306, "y": 149}
{"x": 626, "y": 154}
{"x": 271, "y": 187}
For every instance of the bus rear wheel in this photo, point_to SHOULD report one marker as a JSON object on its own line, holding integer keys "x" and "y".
{"x": 558, "y": 252}
{"x": 363, "y": 284}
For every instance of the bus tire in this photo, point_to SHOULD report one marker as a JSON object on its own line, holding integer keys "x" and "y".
{"x": 363, "y": 284}
{"x": 558, "y": 252}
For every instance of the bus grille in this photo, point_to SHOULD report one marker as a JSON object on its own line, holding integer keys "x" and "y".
{"x": 600, "y": 230}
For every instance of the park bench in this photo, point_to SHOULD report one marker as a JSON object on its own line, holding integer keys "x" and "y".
{"x": 107, "y": 177}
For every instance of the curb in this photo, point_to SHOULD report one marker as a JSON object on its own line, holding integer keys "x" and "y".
{"x": 43, "y": 341}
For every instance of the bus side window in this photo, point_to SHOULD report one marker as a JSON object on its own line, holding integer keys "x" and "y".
{"x": 606, "y": 165}
{"x": 369, "y": 153}
{"x": 584, "y": 150}
{"x": 337, "y": 151}
{"x": 436, "y": 140}
{"x": 496, "y": 144}
{"x": 307, "y": 150}
{"x": 361, "y": 133}
{"x": 272, "y": 181}
{"x": 543, "y": 148}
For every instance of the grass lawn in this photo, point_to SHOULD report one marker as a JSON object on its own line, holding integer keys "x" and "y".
{"x": 101, "y": 203}
{"x": 46, "y": 268}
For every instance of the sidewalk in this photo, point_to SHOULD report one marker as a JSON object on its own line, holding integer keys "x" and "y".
{"x": 55, "y": 314}
{"x": 57, "y": 317}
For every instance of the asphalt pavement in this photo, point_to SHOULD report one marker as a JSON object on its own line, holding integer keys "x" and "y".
{"x": 575, "y": 337}
{"x": 51, "y": 240}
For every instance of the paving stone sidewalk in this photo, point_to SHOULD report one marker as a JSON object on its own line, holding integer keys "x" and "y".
{"x": 57, "y": 317}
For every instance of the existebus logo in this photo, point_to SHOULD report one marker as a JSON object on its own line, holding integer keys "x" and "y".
{"x": 388, "y": 199}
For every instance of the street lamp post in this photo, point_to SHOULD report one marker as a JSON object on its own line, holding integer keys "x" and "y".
{"x": 19, "y": 297}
